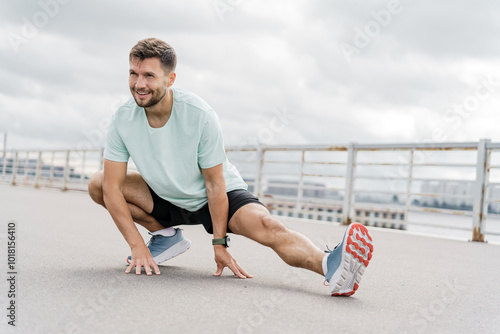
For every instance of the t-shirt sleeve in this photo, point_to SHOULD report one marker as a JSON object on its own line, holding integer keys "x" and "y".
{"x": 115, "y": 149}
{"x": 211, "y": 147}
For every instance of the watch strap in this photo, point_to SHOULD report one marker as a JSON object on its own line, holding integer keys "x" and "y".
{"x": 219, "y": 241}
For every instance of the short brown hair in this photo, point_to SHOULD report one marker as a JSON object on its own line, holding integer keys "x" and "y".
{"x": 155, "y": 48}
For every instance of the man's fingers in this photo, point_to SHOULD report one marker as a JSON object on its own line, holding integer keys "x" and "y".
{"x": 235, "y": 270}
{"x": 138, "y": 269}
{"x": 152, "y": 266}
{"x": 148, "y": 268}
{"x": 233, "y": 266}
{"x": 243, "y": 271}
{"x": 219, "y": 270}
{"x": 129, "y": 268}
{"x": 156, "y": 269}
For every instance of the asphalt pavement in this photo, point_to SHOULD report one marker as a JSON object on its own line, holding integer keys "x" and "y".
{"x": 69, "y": 278}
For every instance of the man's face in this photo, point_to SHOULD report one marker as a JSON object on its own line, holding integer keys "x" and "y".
{"x": 148, "y": 81}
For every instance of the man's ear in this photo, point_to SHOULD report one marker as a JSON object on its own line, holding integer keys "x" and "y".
{"x": 171, "y": 79}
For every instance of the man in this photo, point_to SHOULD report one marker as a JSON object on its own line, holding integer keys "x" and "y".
{"x": 184, "y": 177}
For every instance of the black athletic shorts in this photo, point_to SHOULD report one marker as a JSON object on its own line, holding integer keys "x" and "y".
{"x": 168, "y": 214}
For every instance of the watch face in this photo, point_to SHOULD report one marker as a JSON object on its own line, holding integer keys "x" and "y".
{"x": 228, "y": 241}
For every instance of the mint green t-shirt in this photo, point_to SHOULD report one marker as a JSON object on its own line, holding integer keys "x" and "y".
{"x": 170, "y": 158}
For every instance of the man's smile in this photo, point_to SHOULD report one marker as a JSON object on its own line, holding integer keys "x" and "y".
{"x": 142, "y": 94}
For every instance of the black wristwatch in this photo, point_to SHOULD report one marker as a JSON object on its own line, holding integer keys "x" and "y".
{"x": 224, "y": 241}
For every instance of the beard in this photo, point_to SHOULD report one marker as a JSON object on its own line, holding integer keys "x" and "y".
{"x": 156, "y": 97}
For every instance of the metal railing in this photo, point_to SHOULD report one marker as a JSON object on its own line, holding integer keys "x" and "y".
{"x": 62, "y": 169}
{"x": 376, "y": 184}
{"x": 350, "y": 175}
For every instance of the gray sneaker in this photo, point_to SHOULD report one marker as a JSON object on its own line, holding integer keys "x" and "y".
{"x": 164, "y": 248}
{"x": 347, "y": 262}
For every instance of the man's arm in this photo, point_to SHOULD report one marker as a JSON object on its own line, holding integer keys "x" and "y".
{"x": 218, "y": 205}
{"x": 112, "y": 184}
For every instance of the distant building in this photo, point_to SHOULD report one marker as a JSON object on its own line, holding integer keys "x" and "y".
{"x": 447, "y": 191}
{"x": 291, "y": 189}
{"x": 28, "y": 167}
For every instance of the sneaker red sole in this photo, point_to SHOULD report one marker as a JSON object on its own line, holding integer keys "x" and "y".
{"x": 357, "y": 256}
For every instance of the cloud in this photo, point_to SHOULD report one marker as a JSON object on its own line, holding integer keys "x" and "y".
{"x": 260, "y": 57}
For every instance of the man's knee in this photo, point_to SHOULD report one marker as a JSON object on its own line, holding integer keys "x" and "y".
{"x": 271, "y": 231}
{"x": 271, "y": 224}
{"x": 95, "y": 188}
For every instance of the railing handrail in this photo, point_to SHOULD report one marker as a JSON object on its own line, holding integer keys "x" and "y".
{"x": 381, "y": 146}
{"x": 24, "y": 160}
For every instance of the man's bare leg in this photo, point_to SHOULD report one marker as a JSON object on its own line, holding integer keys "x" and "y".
{"x": 345, "y": 264}
{"x": 139, "y": 202}
{"x": 136, "y": 193}
{"x": 255, "y": 222}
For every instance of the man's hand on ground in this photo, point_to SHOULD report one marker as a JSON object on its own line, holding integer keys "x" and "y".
{"x": 141, "y": 257}
{"x": 224, "y": 259}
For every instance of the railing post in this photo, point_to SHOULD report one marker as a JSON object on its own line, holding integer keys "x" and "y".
{"x": 38, "y": 169}
{"x": 25, "y": 178}
{"x": 52, "y": 163}
{"x": 66, "y": 171}
{"x": 408, "y": 189}
{"x": 347, "y": 207}
{"x": 260, "y": 169}
{"x": 479, "y": 191}
{"x": 4, "y": 167}
{"x": 101, "y": 158}
{"x": 82, "y": 173}
{"x": 300, "y": 188}
{"x": 14, "y": 167}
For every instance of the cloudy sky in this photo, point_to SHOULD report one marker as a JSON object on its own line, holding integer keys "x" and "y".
{"x": 278, "y": 72}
